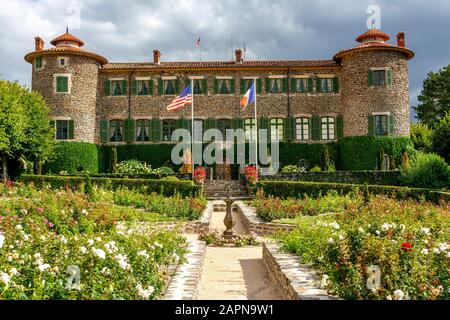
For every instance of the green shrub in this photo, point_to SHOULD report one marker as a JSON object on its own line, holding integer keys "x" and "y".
{"x": 421, "y": 136}
{"x": 166, "y": 170}
{"x": 297, "y": 189}
{"x": 291, "y": 169}
{"x": 167, "y": 188}
{"x": 362, "y": 153}
{"x": 133, "y": 167}
{"x": 316, "y": 169}
{"x": 73, "y": 157}
{"x": 113, "y": 166}
{"x": 88, "y": 190}
{"x": 428, "y": 170}
{"x": 441, "y": 138}
{"x": 325, "y": 158}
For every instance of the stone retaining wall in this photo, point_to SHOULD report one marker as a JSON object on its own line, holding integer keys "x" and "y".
{"x": 253, "y": 223}
{"x": 184, "y": 284}
{"x": 295, "y": 281}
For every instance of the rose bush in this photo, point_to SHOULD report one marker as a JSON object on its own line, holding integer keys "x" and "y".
{"x": 59, "y": 245}
{"x": 407, "y": 241}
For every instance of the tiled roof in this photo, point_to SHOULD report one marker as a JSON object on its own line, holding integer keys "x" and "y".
{"x": 66, "y": 50}
{"x": 67, "y": 37}
{"x": 225, "y": 64}
{"x": 374, "y": 46}
{"x": 373, "y": 33}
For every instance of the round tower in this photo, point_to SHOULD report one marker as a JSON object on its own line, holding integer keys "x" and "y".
{"x": 374, "y": 86}
{"x": 67, "y": 77}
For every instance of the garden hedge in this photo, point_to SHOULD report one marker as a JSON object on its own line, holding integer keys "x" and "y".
{"x": 363, "y": 152}
{"x": 164, "y": 187}
{"x": 73, "y": 157}
{"x": 297, "y": 189}
{"x": 391, "y": 178}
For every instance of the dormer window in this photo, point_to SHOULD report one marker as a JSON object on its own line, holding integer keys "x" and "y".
{"x": 62, "y": 61}
{"x": 38, "y": 64}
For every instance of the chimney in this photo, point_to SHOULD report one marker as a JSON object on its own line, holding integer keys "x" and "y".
{"x": 156, "y": 57}
{"x": 238, "y": 55}
{"x": 38, "y": 44}
{"x": 401, "y": 39}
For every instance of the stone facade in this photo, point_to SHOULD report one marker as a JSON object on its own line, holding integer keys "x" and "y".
{"x": 353, "y": 102}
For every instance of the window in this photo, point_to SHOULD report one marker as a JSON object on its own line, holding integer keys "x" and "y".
{"x": 116, "y": 130}
{"x": 223, "y": 125}
{"x": 62, "y": 129}
{"x": 142, "y": 130}
{"x": 198, "y": 86}
{"x": 381, "y": 125}
{"x": 224, "y": 86}
{"x": 62, "y": 84}
{"x": 169, "y": 126}
{"x": 250, "y": 129}
{"x": 169, "y": 87}
{"x": 143, "y": 88}
{"x": 38, "y": 65}
{"x": 62, "y": 61}
{"x": 301, "y": 85}
{"x": 379, "y": 77}
{"x": 117, "y": 88}
{"x": 328, "y": 128}
{"x": 302, "y": 128}
{"x": 276, "y": 129}
{"x": 326, "y": 85}
{"x": 276, "y": 86}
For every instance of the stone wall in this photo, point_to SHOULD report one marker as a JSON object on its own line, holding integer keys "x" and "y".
{"x": 80, "y": 104}
{"x": 252, "y": 223}
{"x": 359, "y": 100}
{"x": 296, "y": 281}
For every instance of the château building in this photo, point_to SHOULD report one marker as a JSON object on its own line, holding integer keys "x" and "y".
{"x": 360, "y": 91}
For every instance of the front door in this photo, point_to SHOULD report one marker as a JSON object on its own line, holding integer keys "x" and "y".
{"x": 223, "y": 171}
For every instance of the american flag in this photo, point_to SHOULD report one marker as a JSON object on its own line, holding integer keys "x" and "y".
{"x": 184, "y": 98}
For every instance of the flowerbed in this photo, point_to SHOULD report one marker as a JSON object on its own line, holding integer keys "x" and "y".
{"x": 387, "y": 249}
{"x": 59, "y": 245}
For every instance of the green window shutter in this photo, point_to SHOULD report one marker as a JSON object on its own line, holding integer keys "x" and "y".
{"x": 156, "y": 132}
{"x": 267, "y": 81}
{"x": 391, "y": 125}
{"x": 205, "y": 86}
{"x": 233, "y": 86}
{"x": 389, "y": 77}
{"x": 258, "y": 86}
{"x": 150, "y": 87}
{"x": 285, "y": 85}
{"x": 336, "y": 85}
{"x": 186, "y": 124}
{"x": 293, "y": 87}
{"x": 177, "y": 86}
{"x": 216, "y": 86}
{"x": 160, "y": 87}
{"x": 58, "y": 84}
{"x": 339, "y": 127}
{"x": 318, "y": 85}
{"x": 126, "y": 130}
{"x": 237, "y": 123}
{"x": 38, "y": 63}
{"x": 134, "y": 87}
{"x": 107, "y": 88}
{"x": 371, "y": 125}
{"x": 104, "y": 130}
{"x": 188, "y": 82}
{"x": 264, "y": 123}
{"x": 71, "y": 130}
{"x": 129, "y": 128}
{"x": 179, "y": 123}
{"x": 242, "y": 86}
{"x": 310, "y": 85}
{"x": 289, "y": 129}
{"x": 124, "y": 87}
{"x": 316, "y": 128}
{"x": 370, "y": 78}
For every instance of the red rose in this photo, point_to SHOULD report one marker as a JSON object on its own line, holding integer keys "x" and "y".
{"x": 406, "y": 246}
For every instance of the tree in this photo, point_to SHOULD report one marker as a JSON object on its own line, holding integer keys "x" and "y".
{"x": 325, "y": 158}
{"x": 441, "y": 138}
{"x": 435, "y": 97}
{"x": 24, "y": 126}
{"x": 420, "y": 135}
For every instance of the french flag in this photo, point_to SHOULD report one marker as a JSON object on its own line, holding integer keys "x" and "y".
{"x": 249, "y": 96}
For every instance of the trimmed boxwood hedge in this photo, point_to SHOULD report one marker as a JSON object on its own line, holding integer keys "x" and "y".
{"x": 73, "y": 157}
{"x": 361, "y": 153}
{"x": 164, "y": 187}
{"x": 297, "y": 189}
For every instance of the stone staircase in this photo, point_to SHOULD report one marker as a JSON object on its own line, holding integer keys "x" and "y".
{"x": 218, "y": 190}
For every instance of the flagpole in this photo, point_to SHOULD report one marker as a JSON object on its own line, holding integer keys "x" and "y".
{"x": 192, "y": 128}
{"x": 256, "y": 124}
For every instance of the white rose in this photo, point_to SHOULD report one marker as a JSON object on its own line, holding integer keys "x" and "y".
{"x": 13, "y": 271}
{"x": 399, "y": 294}
{"x": 99, "y": 253}
{"x": 83, "y": 250}
{"x": 5, "y": 278}
{"x": 425, "y": 251}
{"x": 2, "y": 240}
{"x": 43, "y": 267}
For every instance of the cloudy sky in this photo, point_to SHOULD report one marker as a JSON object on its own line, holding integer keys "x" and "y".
{"x": 285, "y": 29}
